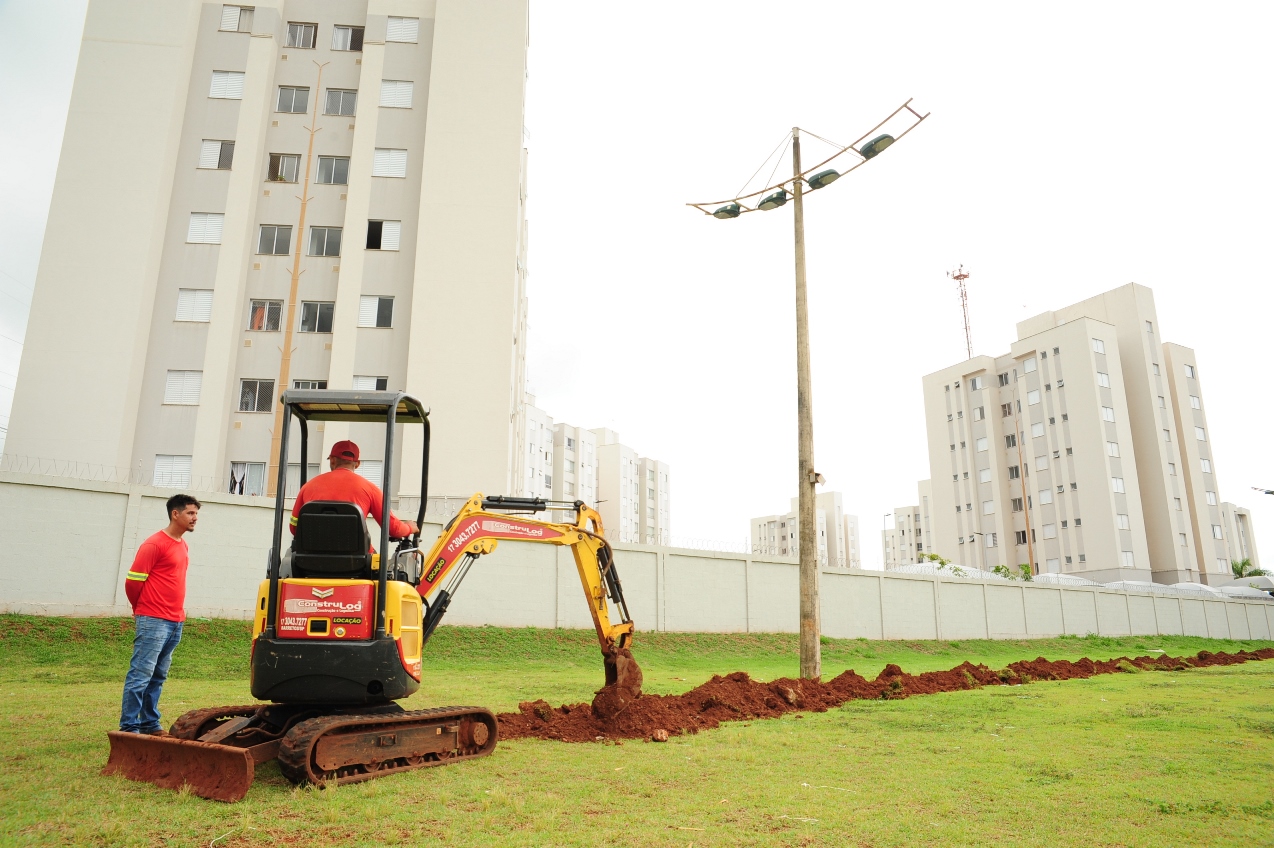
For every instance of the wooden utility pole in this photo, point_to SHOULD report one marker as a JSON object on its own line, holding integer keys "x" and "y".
{"x": 285, "y": 361}
{"x": 1018, "y": 435}
{"x": 811, "y": 651}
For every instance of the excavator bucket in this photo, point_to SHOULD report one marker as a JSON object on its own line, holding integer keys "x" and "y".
{"x": 217, "y": 772}
{"x": 623, "y": 684}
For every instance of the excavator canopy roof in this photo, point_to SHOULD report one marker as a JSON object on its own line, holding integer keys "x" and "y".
{"x": 331, "y": 405}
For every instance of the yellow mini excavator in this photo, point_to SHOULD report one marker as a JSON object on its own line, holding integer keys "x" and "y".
{"x": 338, "y": 633}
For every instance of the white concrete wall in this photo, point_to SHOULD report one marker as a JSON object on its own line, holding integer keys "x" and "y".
{"x": 68, "y": 543}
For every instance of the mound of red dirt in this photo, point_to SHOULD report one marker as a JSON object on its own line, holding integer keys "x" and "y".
{"x": 737, "y": 696}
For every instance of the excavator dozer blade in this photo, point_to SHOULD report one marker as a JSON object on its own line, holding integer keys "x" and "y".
{"x": 217, "y": 772}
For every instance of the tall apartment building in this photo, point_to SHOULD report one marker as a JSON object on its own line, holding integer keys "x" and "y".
{"x": 911, "y": 536}
{"x": 1085, "y": 445}
{"x": 574, "y": 464}
{"x": 180, "y": 261}
{"x": 1240, "y": 540}
{"x": 777, "y": 535}
{"x": 537, "y": 461}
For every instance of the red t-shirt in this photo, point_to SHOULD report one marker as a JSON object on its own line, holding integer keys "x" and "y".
{"x": 346, "y": 486}
{"x": 156, "y": 584}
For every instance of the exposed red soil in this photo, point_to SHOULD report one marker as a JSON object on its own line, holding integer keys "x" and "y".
{"x": 737, "y": 696}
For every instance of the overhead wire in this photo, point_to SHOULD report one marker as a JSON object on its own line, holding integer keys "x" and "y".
{"x": 787, "y": 139}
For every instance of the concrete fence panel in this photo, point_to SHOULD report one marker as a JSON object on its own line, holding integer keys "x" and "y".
{"x": 962, "y": 610}
{"x": 771, "y": 605}
{"x": 1218, "y": 622}
{"x": 705, "y": 594}
{"x": 852, "y": 605}
{"x": 1112, "y": 614}
{"x": 909, "y": 608}
{"x": 516, "y": 586}
{"x": 1079, "y": 609}
{"x": 1257, "y": 624}
{"x": 1043, "y": 607}
{"x": 1005, "y": 612}
{"x": 1168, "y": 616}
{"x": 1237, "y": 619}
{"x": 1141, "y": 615}
{"x": 1194, "y": 617}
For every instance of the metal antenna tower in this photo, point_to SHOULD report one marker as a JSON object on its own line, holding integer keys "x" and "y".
{"x": 960, "y": 275}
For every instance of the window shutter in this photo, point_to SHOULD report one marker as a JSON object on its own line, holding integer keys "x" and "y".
{"x": 171, "y": 471}
{"x": 390, "y": 234}
{"x": 230, "y": 18}
{"x": 356, "y": 39}
{"x": 194, "y": 305}
{"x": 209, "y": 154}
{"x": 182, "y": 387}
{"x": 370, "y": 470}
{"x": 364, "y": 384}
{"x": 396, "y": 94}
{"x": 367, "y": 311}
{"x": 205, "y": 227}
{"x": 226, "y": 156}
{"x": 388, "y": 162}
{"x": 227, "y": 85}
{"x": 403, "y": 29}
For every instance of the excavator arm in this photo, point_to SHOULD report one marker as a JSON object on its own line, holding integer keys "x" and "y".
{"x": 478, "y": 528}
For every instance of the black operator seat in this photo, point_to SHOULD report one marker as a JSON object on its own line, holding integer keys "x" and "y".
{"x": 331, "y": 542}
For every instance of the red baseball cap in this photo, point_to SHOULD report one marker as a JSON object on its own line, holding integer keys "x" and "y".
{"x": 344, "y": 449}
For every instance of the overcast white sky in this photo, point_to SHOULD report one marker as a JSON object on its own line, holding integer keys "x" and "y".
{"x": 1072, "y": 148}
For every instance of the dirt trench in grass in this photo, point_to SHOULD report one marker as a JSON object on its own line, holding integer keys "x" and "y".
{"x": 737, "y": 696}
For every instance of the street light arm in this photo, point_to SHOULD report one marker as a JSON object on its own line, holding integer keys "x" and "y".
{"x": 789, "y": 184}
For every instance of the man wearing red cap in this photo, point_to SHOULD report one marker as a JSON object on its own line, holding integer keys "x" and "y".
{"x": 343, "y": 484}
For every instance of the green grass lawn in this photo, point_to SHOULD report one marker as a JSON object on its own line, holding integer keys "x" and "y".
{"x": 1182, "y": 758}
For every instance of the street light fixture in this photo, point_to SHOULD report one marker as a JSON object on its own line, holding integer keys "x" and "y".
{"x": 772, "y": 197}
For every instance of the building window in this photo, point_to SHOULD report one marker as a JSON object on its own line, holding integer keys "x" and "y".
{"x": 264, "y": 315}
{"x": 1032, "y": 397}
{"x": 1006, "y": 409}
{"x": 236, "y": 18}
{"x": 1074, "y": 487}
{"x": 570, "y": 443}
{"x": 194, "y": 305}
{"x": 293, "y": 99}
{"x": 1167, "y": 435}
{"x": 1070, "y": 451}
{"x": 1037, "y": 429}
{"x": 1177, "y": 503}
{"x": 1125, "y": 559}
{"x": 1078, "y": 522}
{"x": 205, "y": 227}
{"x": 984, "y": 475}
{"x": 966, "y": 475}
{"x": 1182, "y": 538}
{"x": 1016, "y": 504}
{"x": 1065, "y": 417}
{"x": 1041, "y": 462}
{"x": 957, "y": 510}
{"x": 333, "y": 170}
{"x": 375, "y": 311}
{"x": 403, "y": 29}
{"x": 1216, "y": 531}
{"x": 384, "y": 235}
{"x": 976, "y": 384}
{"x": 988, "y": 507}
{"x": 316, "y": 317}
{"x": 1200, "y": 435}
{"x": 226, "y": 85}
{"x": 1107, "y": 413}
{"x": 1211, "y": 496}
{"x": 371, "y": 470}
{"x": 1194, "y": 402}
{"x": 953, "y": 447}
{"x": 1206, "y": 465}
{"x": 1061, "y": 384}
{"x": 1028, "y": 365}
{"x": 1103, "y": 379}
{"x": 1050, "y": 531}
{"x": 274, "y": 240}
{"x": 1121, "y": 521}
{"x": 247, "y": 478}
{"x": 171, "y": 471}
{"x": 1117, "y": 484}
{"x": 301, "y": 35}
{"x": 1003, "y": 378}
{"x": 218, "y": 155}
{"x": 347, "y": 38}
{"x": 340, "y": 101}
{"x": 370, "y": 384}
{"x": 1045, "y": 496}
{"x": 1014, "y": 472}
{"x": 950, "y": 416}
{"x": 309, "y": 384}
{"x": 1010, "y": 441}
{"x": 990, "y": 539}
{"x": 1099, "y": 346}
{"x": 981, "y": 444}
{"x": 284, "y": 167}
{"x": 389, "y": 162}
{"x": 1172, "y": 469}
{"x": 181, "y": 388}
{"x": 979, "y": 413}
{"x": 256, "y": 395}
{"x": 396, "y": 94}
{"x": 1156, "y": 367}
{"x": 1190, "y": 371}
{"x": 1112, "y": 448}
{"x": 1163, "y": 404}
{"x": 325, "y": 241}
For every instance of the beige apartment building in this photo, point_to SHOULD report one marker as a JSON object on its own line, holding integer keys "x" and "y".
{"x": 911, "y": 536}
{"x": 179, "y": 258}
{"x": 1240, "y": 539}
{"x": 838, "y": 540}
{"x": 1086, "y": 446}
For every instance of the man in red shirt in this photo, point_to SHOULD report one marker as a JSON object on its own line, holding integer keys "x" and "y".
{"x": 342, "y": 483}
{"x": 156, "y": 588}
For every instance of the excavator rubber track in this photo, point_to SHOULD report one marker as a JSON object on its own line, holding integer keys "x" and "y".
{"x": 351, "y": 748}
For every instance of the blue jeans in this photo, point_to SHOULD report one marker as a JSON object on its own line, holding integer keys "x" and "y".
{"x": 153, "y": 647}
